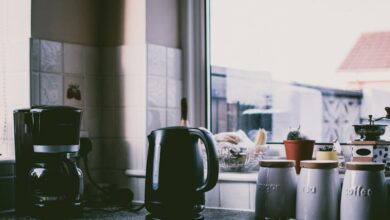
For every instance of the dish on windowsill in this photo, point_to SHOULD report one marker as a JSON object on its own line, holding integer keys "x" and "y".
{"x": 236, "y": 158}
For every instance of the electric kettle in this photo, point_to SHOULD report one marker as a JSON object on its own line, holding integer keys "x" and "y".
{"x": 175, "y": 185}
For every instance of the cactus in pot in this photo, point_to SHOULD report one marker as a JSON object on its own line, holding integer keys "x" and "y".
{"x": 298, "y": 147}
{"x": 326, "y": 152}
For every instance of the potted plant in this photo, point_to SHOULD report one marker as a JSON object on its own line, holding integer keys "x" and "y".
{"x": 298, "y": 147}
{"x": 326, "y": 153}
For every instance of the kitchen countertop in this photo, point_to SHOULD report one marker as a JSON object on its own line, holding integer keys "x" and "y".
{"x": 209, "y": 214}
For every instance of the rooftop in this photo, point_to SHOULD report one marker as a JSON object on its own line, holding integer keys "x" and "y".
{"x": 371, "y": 52}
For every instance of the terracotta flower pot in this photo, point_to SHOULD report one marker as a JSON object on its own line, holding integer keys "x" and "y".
{"x": 299, "y": 150}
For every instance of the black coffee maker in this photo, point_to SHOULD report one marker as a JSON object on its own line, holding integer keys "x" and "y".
{"x": 48, "y": 182}
{"x": 175, "y": 184}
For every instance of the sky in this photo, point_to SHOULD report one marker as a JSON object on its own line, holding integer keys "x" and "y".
{"x": 294, "y": 40}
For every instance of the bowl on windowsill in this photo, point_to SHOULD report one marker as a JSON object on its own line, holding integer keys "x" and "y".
{"x": 233, "y": 158}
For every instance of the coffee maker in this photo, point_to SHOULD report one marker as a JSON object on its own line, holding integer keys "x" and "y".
{"x": 48, "y": 181}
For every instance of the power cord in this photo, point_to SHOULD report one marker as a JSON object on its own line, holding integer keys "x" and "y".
{"x": 121, "y": 197}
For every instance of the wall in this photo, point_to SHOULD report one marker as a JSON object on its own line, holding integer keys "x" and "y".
{"x": 14, "y": 67}
{"x": 164, "y": 63}
{"x": 123, "y": 70}
{"x": 163, "y": 22}
{"x": 111, "y": 77}
{"x": 72, "y": 21}
{"x": 164, "y": 86}
{"x": 129, "y": 84}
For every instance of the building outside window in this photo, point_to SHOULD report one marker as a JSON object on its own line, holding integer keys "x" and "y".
{"x": 318, "y": 65}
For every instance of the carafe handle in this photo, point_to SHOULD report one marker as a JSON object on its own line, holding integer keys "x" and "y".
{"x": 212, "y": 162}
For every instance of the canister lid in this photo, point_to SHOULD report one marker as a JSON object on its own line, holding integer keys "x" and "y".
{"x": 370, "y": 166}
{"x": 319, "y": 164}
{"x": 277, "y": 163}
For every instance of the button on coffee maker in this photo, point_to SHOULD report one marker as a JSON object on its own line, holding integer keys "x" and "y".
{"x": 48, "y": 181}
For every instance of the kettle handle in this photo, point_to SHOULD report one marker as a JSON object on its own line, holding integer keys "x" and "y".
{"x": 212, "y": 161}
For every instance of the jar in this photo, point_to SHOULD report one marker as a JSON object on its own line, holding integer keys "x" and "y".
{"x": 276, "y": 189}
{"x": 327, "y": 155}
{"x": 318, "y": 190}
{"x": 364, "y": 192}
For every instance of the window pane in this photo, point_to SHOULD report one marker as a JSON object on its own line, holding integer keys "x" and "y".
{"x": 320, "y": 65}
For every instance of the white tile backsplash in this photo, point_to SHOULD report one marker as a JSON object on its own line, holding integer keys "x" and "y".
{"x": 107, "y": 58}
{"x": 126, "y": 94}
{"x": 117, "y": 179}
{"x": 225, "y": 195}
{"x": 164, "y": 88}
{"x": 157, "y": 90}
{"x": 96, "y": 154}
{"x": 131, "y": 60}
{"x": 34, "y": 89}
{"x": 137, "y": 91}
{"x": 174, "y": 64}
{"x": 34, "y": 52}
{"x": 252, "y": 196}
{"x": 106, "y": 86}
{"x": 122, "y": 150}
{"x": 91, "y": 60}
{"x": 156, "y": 118}
{"x": 125, "y": 123}
{"x": 124, "y": 58}
{"x": 74, "y": 92}
{"x": 51, "y": 57}
{"x": 122, "y": 85}
{"x": 74, "y": 58}
{"x": 173, "y": 117}
{"x": 234, "y": 195}
{"x": 51, "y": 89}
{"x": 213, "y": 197}
{"x": 141, "y": 144}
{"x": 139, "y": 195}
{"x": 174, "y": 93}
{"x": 130, "y": 90}
{"x": 92, "y": 91}
{"x": 107, "y": 127}
{"x": 156, "y": 60}
{"x": 94, "y": 121}
{"x": 83, "y": 123}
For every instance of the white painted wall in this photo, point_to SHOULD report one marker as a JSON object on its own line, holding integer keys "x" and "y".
{"x": 163, "y": 22}
{"x": 72, "y": 21}
{"x": 14, "y": 67}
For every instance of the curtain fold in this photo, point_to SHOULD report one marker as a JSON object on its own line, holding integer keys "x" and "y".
{"x": 193, "y": 28}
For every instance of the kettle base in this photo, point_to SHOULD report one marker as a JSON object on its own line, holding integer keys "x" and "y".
{"x": 153, "y": 217}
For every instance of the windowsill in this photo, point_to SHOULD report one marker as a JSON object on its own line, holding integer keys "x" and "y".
{"x": 7, "y": 159}
{"x": 223, "y": 176}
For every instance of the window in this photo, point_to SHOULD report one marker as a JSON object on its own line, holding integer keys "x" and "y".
{"x": 320, "y": 65}
{"x": 14, "y": 67}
